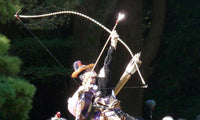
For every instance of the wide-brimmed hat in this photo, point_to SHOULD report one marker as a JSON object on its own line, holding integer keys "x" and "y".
{"x": 78, "y": 68}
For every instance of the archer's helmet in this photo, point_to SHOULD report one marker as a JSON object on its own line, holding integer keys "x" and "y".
{"x": 79, "y": 68}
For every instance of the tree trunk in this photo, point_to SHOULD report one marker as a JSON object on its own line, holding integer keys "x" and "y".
{"x": 152, "y": 43}
{"x": 131, "y": 32}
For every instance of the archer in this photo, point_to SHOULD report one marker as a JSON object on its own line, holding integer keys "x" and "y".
{"x": 95, "y": 98}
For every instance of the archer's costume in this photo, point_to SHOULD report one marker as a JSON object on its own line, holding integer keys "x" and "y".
{"x": 96, "y": 101}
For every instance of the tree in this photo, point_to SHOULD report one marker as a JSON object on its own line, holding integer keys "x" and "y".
{"x": 41, "y": 71}
{"x": 16, "y": 93}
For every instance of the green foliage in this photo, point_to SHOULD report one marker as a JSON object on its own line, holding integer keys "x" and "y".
{"x": 9, "y": 65}
{"x": 41, "y": 69}
{"x": 15, "y": 98}
{"x": 33, "y": 54}
{"x": 147, "y": 16}
{"x": 4, "y": 44}
{"x": 7, "y": 92}
{"x": 7, "y": 9}
{"x": 176, "y": 77}
{"x": 15, "y": 93}
{"x": 45, "y": 72}
{"x": 38, "y": 63}
{"x": 47, "y": 6}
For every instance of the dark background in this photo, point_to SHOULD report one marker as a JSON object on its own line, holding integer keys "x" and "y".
{"x": 165, "y": 31}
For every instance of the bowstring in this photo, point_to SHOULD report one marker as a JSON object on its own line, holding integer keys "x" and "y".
{"x": 51, "y": 54}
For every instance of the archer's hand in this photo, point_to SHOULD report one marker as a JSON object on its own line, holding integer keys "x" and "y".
{"x": 114, "y": 39}
{"x": 131, "y": 67}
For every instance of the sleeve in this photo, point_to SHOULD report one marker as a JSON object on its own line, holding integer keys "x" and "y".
{"x": 80, "y": 104}
{"x": 104, "y": 77}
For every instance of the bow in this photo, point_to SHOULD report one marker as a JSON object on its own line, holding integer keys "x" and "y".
{"x": 75, "y": 13}
{"x": 78, "y": 14}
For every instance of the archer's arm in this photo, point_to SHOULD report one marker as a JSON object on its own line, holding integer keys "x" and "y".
{"x": 104, "y": 77}
{"x": 107, "y": 67}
